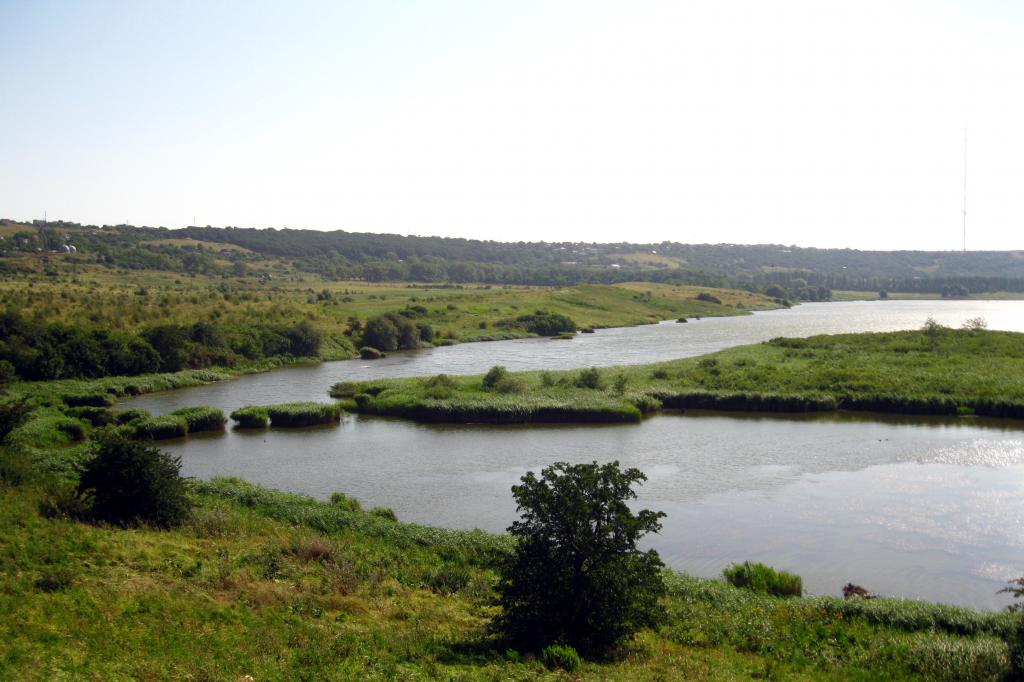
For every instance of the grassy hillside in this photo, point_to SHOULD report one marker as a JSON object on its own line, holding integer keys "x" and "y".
{"x": 931, "y": 371}
{"x": 282, "y": 587}
{"x": 130, "y": 301}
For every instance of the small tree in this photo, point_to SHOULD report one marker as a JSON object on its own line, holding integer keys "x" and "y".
{"x": 576, "y": 576}
{"x": 127, "y": 483}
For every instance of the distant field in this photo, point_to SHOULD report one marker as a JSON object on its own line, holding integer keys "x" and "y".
{"x": 897, "y": 296}
{"x": 213, "y": 246}
{"x": 14, "y": 228}
{"x": 650, "y": 259}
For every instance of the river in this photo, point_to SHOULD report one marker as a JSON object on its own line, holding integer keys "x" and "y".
{"x": 917, "y": 508}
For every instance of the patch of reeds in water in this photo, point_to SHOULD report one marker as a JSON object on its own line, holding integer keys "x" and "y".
{"x": 288, "y": 415}
{"x": 201, "y": 418}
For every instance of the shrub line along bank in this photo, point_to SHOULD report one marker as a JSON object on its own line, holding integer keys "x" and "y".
{"x": 934, "y": 371}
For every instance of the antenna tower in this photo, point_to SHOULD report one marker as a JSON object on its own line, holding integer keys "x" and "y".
{"x": 965, "y": 189}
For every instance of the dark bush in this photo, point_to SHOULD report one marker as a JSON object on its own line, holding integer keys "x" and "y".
{"x": 304, "y": 340}
{"x": 73, "y": 428}
{"x": 494, "y": 376}
{"x": 576, "y": 576}
{"x": 370, "y": 353}
{"x": 130, "y": 415}
{"x": 380, "y": 333}
{"x": 426, "y": 332}
{"x": 449, "y": 578}
{"x": 708, "y": 298}
{"x": 385, "y": 513}
{"x": 345, "y": 502}
{"x": 129, "y": 483}
{"x": 542, "y": 323}
{"x": 13, "y": 413}
{"x": 96, "y": 416}
{"x": 94, "y": 399}
{"x": 589, "y": 378}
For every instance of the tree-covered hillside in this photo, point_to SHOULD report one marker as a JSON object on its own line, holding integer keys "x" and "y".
{"x": 340, "y": 255}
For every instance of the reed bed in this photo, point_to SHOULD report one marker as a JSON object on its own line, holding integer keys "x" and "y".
{"x": 202, "y": 418}
{"x": 252, "y": 417}
{"x": 158, "y": 428}
{"x": 287, "y": 415}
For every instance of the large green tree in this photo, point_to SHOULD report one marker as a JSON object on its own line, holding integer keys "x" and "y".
{"x": 576, "y": 576}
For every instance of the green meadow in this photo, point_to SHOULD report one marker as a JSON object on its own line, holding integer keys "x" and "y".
{"x": 933, "y": 371}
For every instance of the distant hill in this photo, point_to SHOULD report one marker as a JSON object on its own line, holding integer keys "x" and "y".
{"x": 378, "y": 257}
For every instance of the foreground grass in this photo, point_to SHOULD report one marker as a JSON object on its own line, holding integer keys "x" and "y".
{"x": 279, "y": 586}
{"x": 938, "y": 371}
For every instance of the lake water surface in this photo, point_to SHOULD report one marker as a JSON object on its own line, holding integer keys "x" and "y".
{"x": 921, "y": 508}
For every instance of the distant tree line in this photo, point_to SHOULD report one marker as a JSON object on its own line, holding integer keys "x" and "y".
{"x": 341, "y": 255}
{"x": 54, "y": 351}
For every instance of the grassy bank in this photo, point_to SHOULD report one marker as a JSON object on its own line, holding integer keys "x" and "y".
{"x": 279, "y": 586}
{"x": 932, "y": 371}
{"x": 132, "y": 300}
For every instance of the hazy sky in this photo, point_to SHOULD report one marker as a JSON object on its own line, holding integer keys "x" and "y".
{"x": 813, "y": 123}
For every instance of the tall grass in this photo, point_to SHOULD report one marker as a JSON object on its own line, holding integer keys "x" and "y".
{"x": 158, "y": 428}
{"x": 252, "y": 417}
{"x": 201, "y": 418}
{"x": 762, "y": 578}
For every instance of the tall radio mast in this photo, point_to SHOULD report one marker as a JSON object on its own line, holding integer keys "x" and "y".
{"x": 965, "y": 189}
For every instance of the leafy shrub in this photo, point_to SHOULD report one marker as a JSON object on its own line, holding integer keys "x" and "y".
{"x": 252, "y": 417}
{"x": 96, "y": 416}
{"x": 303, "y": 414}
{"x": 589, "y": 378}
{"x": 385, "y": 513}
{"x": 55, "y": 577}
{"x": 93, "y": 399}
{"x": 762, "y": 578}
{"x": 560, "y": 656}
{"x": 493, "y": 376}
{"x": 576, "y": 576}
{"x": 392, "y": 331}
{"x": 72, "y": 428}
{"x": 449, "y": 578}
{"x": 304, "y": 340}
{"x": 343, "y": 501}
{"x": 370, "y": 353}
{"x": 201, "y": 418}
{"x": 426, "y": 332}
{"x": 128, "y": 483}
{"x": 708, "y": 298}
{"x": 130, "y": 415}
{"x": 158, "y": 428}
{"x": 541, "y": 323}
{"x": 440, "y": 385}
{"x": 13, "y": 413}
